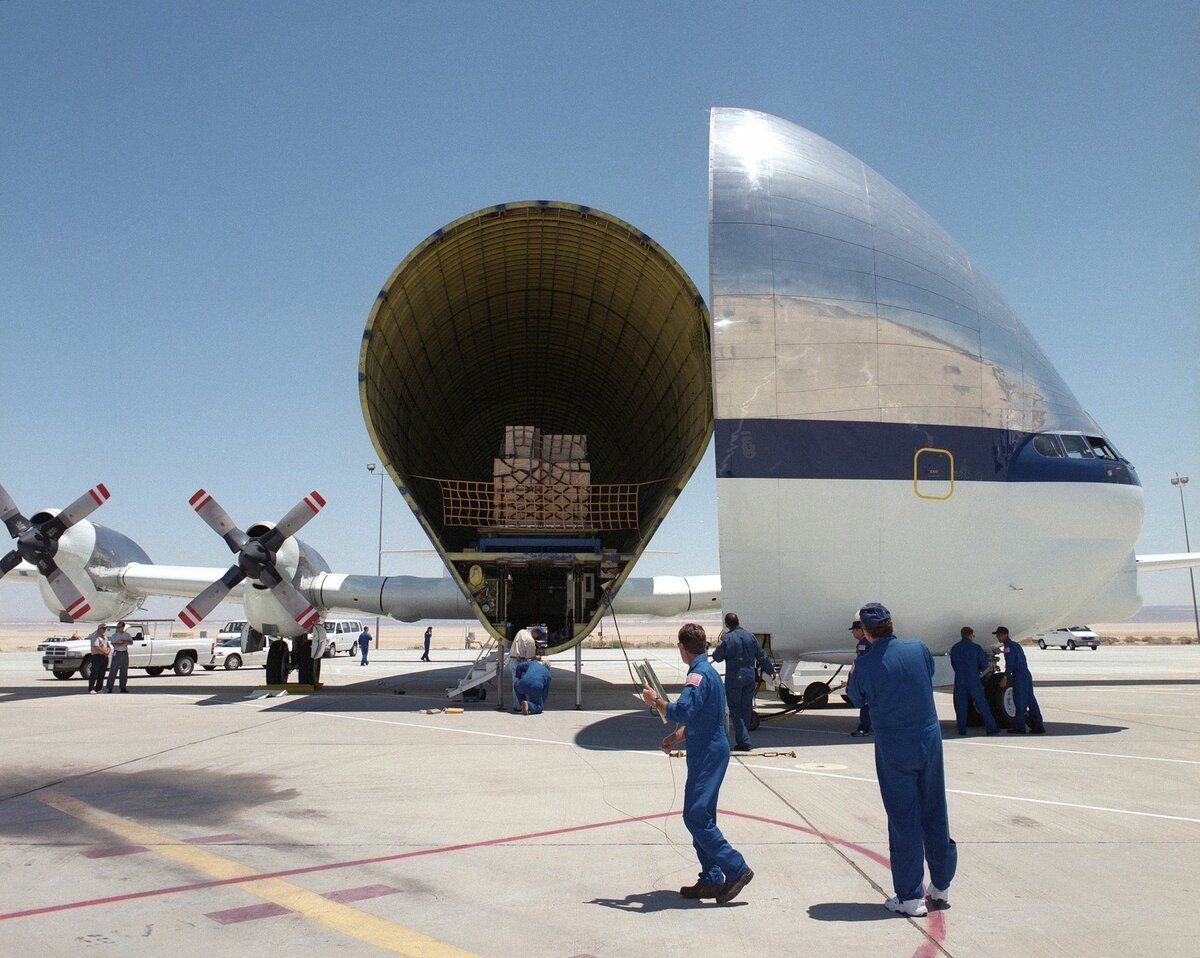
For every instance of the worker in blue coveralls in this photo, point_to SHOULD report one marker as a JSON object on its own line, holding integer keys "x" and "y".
{"x": 862, "y": 645}
{"x": 1016, "y": 674}
{"x": 700, "y": 712}
{"x": 531, "y": 678}
{"x": 364, "y": 643}
{"x": 970, "y": 662}
{"x": 896, "y": 680}
{"x": 739, "y": 650}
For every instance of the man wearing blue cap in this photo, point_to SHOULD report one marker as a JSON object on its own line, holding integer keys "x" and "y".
{"x": 896, "y": 680}
{"x": 1017, "y": 674}
{"x": 969, "y": 662}
{"x": 700, "y": 710}
{"x": 739, "y": 650}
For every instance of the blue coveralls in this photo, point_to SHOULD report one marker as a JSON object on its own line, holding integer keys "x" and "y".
{"x": 969, "y": 660}
{"x": 364, "y": 643}
{"x": 1016, "y": 668}
{"x": 701, "y": 707}
{"x": 739, "y": 650}
{"x": 531, "y": 682}
{"x": 864, "y": 713}
{"x": 896, "y": 679}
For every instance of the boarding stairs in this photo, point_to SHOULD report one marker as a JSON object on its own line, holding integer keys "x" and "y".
{"x": 482, "y": 670}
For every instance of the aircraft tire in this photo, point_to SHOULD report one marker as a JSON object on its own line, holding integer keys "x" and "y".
{"x": 997, "y": 700}
{"x": 816, "y": 695}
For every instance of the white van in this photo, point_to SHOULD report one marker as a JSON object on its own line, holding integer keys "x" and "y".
{"x": 343, "y": 636}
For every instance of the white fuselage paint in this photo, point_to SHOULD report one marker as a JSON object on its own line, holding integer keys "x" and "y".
{"x": 799, "y": 557}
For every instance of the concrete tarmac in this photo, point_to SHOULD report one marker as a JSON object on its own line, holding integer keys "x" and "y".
{"x": 186, "y": 819}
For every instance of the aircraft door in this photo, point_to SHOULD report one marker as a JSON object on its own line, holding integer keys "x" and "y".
{"x": 933, "y": 473}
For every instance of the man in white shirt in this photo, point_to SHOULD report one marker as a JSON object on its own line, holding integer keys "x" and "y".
{"x": 120, "y": 657}
{"x": 99, "y": 658}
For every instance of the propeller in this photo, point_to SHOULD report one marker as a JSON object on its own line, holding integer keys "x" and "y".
{"x": 255, "y": 559}
{"x": 37, "y": 544}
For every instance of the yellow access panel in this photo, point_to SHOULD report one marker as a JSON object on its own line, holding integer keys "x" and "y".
{"x": 933, "y": 473}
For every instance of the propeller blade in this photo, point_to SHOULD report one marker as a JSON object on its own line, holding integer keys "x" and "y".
{"x": 294, "y": 521}
{"x": 11, "y": 516}
{"x": 81, "y": 508}
{"x": 298, "y": 607}
{"x": 211, "y": 597}
{"x": 208, "y": 509}
{"x": 73, "y": 602}
{"x": 9, "y": 562}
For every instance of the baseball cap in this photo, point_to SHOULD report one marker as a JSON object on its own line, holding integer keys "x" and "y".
{"x": 855, "y": 625}
{"x": 873, "y": 613}
{"x": 1000, "y": 630}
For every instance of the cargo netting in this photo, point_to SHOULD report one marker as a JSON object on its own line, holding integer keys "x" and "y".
{"x": 505, "y": 505}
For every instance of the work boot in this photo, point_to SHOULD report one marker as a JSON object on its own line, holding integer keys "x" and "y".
{"x": 743, "y": 748}
{"x": 859, "y": 733}
{"x": 1039, "y": 731}
{"x": 701, "y": 889}
{"x": 729, "y": 891}
{"x": 913, "y": 907}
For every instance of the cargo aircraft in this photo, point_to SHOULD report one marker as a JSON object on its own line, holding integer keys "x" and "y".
{"x": 885, "y": 428}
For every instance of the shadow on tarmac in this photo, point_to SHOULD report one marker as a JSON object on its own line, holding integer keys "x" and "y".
{"x": 1070, "y": 683}
{"x": 849, "y": 911}
{"x": 205, "y": 797}
{"x": 661, "y": 899}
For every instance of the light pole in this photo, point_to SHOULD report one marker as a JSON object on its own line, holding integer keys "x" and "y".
{"x": 1181, "y": 481}
{"x": 379, "y": 553}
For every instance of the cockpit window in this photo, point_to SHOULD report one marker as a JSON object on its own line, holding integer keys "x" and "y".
{"x": 1047, "y": 445}
{"x": 1101, "y": 448}
{"x": 1077, "y": 447}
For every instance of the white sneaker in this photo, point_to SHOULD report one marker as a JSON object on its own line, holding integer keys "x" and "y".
{"x": 914, "y": 907}
{"x": 939, "y": 896}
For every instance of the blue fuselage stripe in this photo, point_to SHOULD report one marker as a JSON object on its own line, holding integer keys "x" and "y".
{"x": 823, "y": 449}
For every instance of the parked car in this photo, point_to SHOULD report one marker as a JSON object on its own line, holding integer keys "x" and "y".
{"x": 228, "y": 654}
{"x": 153, "y": 648}
{"x": 1069, "y": 638}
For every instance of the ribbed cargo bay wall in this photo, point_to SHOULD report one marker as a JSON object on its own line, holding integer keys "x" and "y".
{"x": 547, "y": 314}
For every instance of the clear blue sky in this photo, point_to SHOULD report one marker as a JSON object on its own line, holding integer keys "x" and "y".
{"x": 199, "y": 202}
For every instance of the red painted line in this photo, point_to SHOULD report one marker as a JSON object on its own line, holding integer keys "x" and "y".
{"x": 75, "y": 605}
{"x": 78, "y": 612}
{"x": 212, "y": 839}
{"x": 320, "y": 500}
{"x": 231, "y": 916}
{"x": 347, "y": 895}
{"x": 115, "y": 851}
{"x": 935, "y": 923}
{"x": 187, "y": 619}
{"x": 195, "y": 497}
{"x": 310, "y": 869}
{"x": 96, "y": 497}
{"x": 103, "y": 490}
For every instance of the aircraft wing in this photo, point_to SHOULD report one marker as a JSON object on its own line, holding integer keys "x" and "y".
{"x": 1173, "y": 560}
{"x": 148, "y": 579}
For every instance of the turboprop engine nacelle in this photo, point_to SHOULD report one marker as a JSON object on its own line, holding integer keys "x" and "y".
{"x": 537, "y": 379}
{"x": 298, "y": 563}
{"x": 87, "y": 548}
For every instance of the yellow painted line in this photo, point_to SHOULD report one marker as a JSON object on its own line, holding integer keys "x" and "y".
{"x": 349, "y": 921}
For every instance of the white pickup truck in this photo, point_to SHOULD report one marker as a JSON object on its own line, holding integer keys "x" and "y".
{"x": 152, "y": 649}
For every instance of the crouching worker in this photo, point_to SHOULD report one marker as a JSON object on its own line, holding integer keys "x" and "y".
{"x": 531, "y": 683}
{"x": 896, "y": 681}
{"x": 700, "y": 712}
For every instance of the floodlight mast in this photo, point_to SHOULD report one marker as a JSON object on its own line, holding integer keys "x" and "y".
{"x": 1179, "y": 482}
